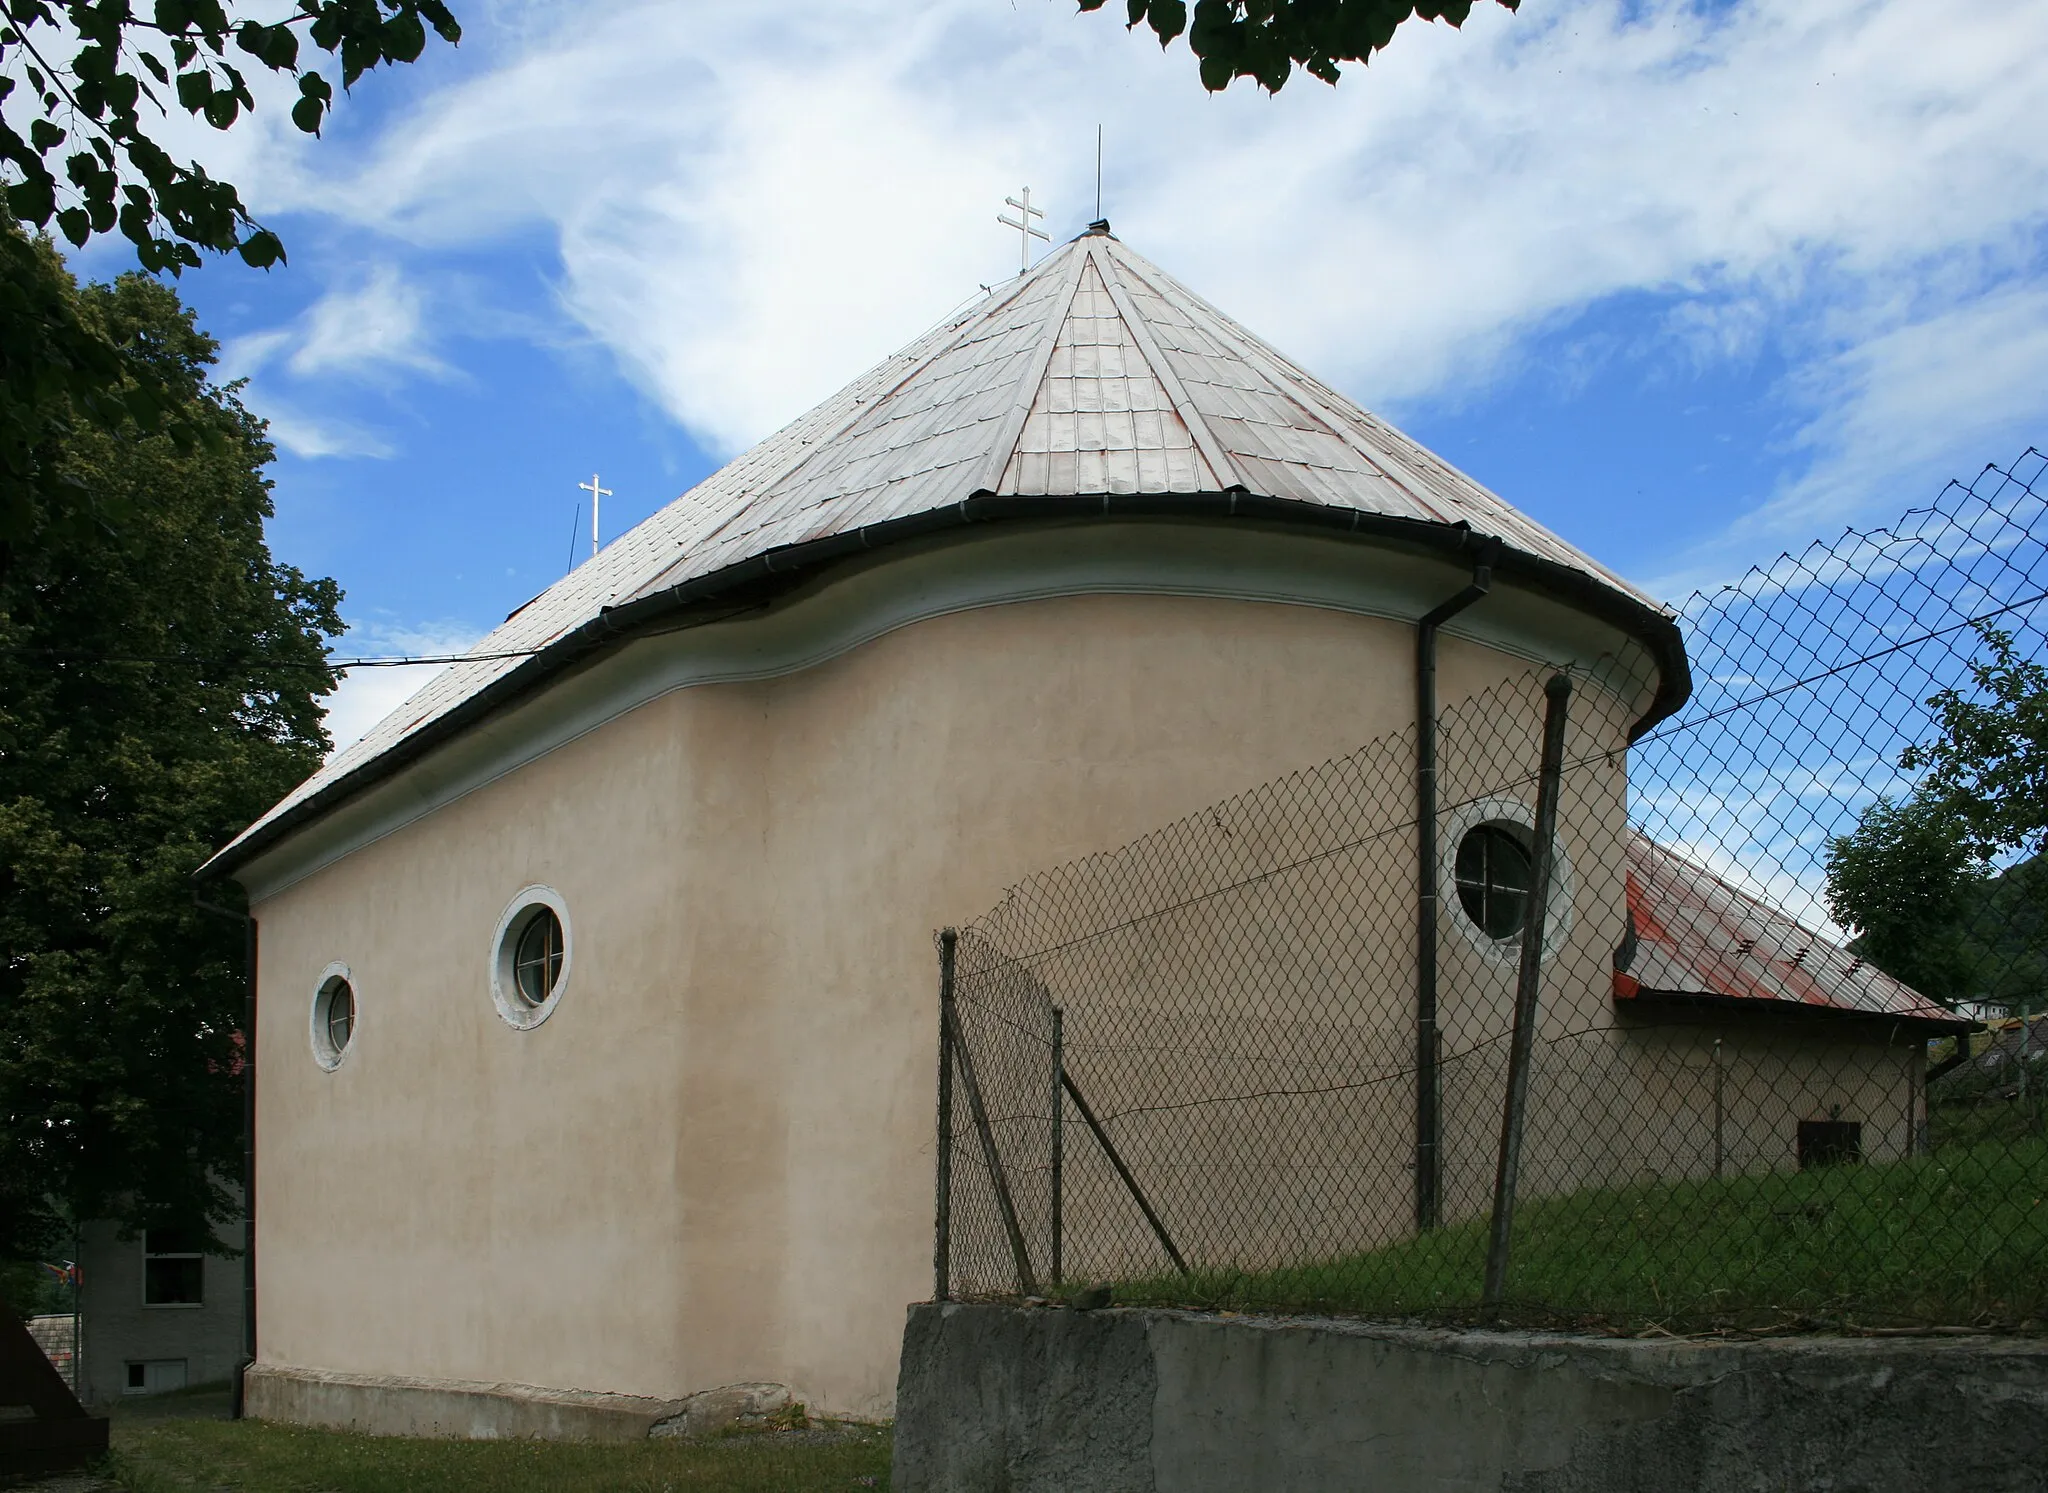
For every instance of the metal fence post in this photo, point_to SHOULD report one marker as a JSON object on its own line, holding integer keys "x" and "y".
{"x": 1059, "y": 1105}
{"x": 1720, "y": 1109}
{"x": 977, "y": 1109}
{"x": 942, "y": 1230}
{"x": 1557, "y": 695}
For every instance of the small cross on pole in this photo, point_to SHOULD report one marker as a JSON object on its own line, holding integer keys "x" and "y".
{"x": 1022, "y": 223}
{"x": 595, "y": 492}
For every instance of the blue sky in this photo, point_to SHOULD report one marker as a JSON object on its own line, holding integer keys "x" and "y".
{"x": 1688, "y": 283}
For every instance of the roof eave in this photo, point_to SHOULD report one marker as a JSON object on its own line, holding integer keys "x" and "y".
{"x": 1758, "y": 1006}
{"x": 755, "y": 580}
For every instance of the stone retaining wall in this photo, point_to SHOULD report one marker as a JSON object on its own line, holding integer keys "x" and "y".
{"x": 996, "y": 1399}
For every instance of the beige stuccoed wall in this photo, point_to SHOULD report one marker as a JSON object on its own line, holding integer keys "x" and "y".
{"x": 713, "y": 1162}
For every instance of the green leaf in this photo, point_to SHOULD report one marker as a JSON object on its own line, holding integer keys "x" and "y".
{"x": 156, "y": 66}
{"x": 281, "y": 48}
{"x": 445, "y": 24}
{"x": 76, "y": 225}
{"x": 306, "y": 114}
{"x": 404, "y": 38}
{"x": 195, "y": 90}
{"x": 33, "y": 198}
{"x": 221, "y": 109}
{"x": 45, "y": 136}
{"x": 261, "y": 249}
{"x": 1169, "y": 18}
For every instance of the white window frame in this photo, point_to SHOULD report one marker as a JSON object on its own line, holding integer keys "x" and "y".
{"x": 516, "y": 1011}
{"x": 1557, "y": 917}
{"x": 324, "y": 1052}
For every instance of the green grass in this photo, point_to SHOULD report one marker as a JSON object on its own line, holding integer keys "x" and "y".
{"x": 1956, "y": 1238}
{"x": 214, "y": 1456}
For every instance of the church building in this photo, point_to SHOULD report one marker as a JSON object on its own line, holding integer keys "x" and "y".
{"x": 597, "y": 1009}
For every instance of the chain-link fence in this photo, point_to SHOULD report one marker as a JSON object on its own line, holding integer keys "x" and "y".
{"x": 1740, "y": 1025}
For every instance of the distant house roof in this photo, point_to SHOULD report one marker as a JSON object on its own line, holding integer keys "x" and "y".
{"x": 1696, "y": 940}
{"x": 1092, "y": 385}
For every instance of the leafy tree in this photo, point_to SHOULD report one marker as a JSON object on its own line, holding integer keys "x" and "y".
{"x": 81, "y": 82}
{"x": 1906, "y": 878}
{"x": 159, "y": 685}
{"x": 1918, "y": 879}
{"x": 1265, "y": 40}
{"x": 1989, "y": 760}
{"x": 92, "y": 105}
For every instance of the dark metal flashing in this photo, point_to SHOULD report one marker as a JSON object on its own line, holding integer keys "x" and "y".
{"x": 1660, "y": 1002}
{"x": 760, "y": 579}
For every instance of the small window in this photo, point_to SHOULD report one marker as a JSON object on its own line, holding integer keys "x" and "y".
{"x": 334, "y": 1016}
{"x": 532, "y": 953}
{"x": 173, "y": 1269}
{"x": 156, "y": 1376}
{"x": 1829, "y": 1143}
{"x": 537, "y": 961}
{"x": 1494, "y": 872}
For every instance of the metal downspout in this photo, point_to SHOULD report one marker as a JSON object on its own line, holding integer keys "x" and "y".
{"x": 1428, "y": 1096}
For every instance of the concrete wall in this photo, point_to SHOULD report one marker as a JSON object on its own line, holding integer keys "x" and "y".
{"x": 1017, "y": 1400}
{"x": 117, "y": 1329}
{"x": 712, "y": 1164}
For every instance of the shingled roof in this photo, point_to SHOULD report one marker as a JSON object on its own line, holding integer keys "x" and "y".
{"x": 1696, "y": 939}
{"x": 1094, "y": 383}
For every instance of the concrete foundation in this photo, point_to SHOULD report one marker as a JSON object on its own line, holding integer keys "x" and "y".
{"x": 1028, "y": 1399}
{"x": 391, "y": 1405}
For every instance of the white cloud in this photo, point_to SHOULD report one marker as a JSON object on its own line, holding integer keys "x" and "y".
{"x": 366, "y": 695}
{"x": 752, "y": 204}
{"x": 313, "y": 436}
{"x": 369, "y": 329}
{"x": 372, "y": 325}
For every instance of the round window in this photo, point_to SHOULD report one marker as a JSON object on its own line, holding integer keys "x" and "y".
{"x": 530, "y": 956}
{"x": 1494, "y": 871}
{"x": 334, "y": 1016}
{"x": 537, "y": 957}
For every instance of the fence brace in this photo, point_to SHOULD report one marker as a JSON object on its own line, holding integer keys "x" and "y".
{"x": 1557, "y": 696}
{"x": 1027, "y": 1283}
{"x": 1130, "y": 1182}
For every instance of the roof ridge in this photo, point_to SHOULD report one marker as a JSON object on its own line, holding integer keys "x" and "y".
{"x": 1004, "y": 447}
{"x": 1213, "y": 450}
{"x": 938, "y": 340}
{"x": 1288, "y": 381}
